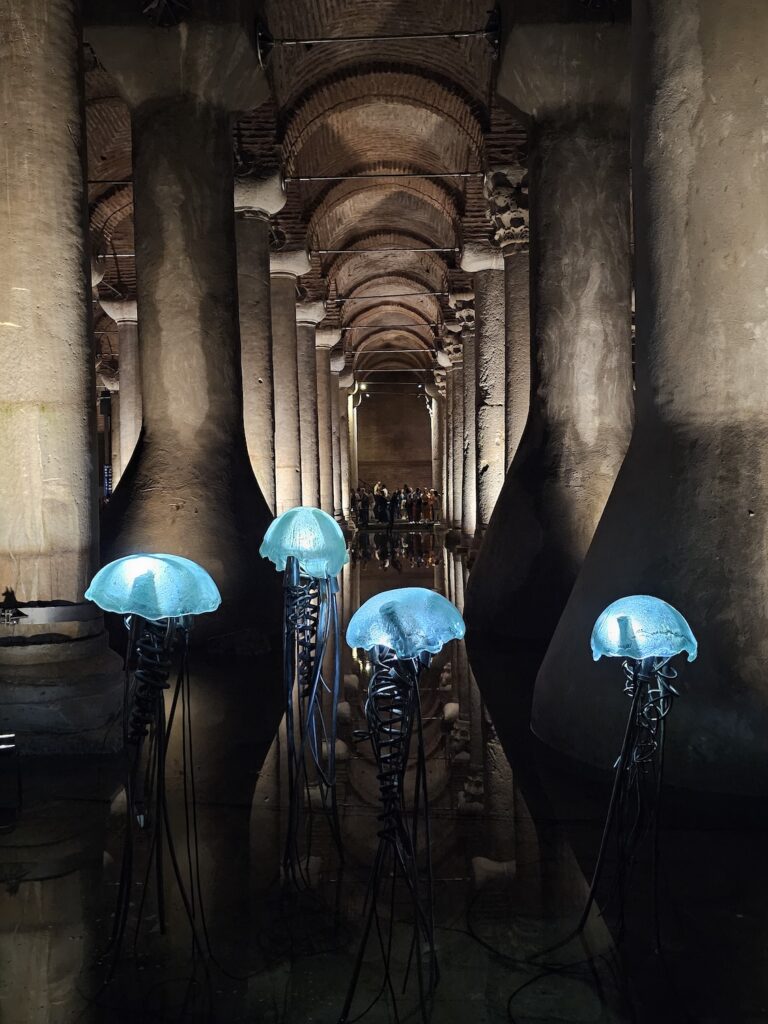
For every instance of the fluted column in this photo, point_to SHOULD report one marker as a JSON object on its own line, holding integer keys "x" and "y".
{"x": 581, "y": 388}
{"x": 286, "y": 268}
{"x": 123, "y": 312}
{"x": 486, "y": 264}
{"x": 308, "y": 315}
{"x": 508, "y": 213}
{"x": 54, "y": 695}
{"x": 449, "y": 467}
{"x": 189, "y": 489}
{"x": 686, "y": 519}
{"x": 256, "y": 200}
{"x": 469, "y": 454}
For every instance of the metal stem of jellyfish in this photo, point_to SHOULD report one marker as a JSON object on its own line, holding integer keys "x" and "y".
{"x": 393, "y": 709}
{"x": 649, "y": 685}
{"x": 310, "y": 622}
{"x": 144, "y": 717}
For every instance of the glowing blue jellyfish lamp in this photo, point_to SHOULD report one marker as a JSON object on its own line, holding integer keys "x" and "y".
{"x": 309, "y": 547}
{"x": 159, "y": 595}
{"x": 401, "y": 630}
{"x": 646, "y": 633}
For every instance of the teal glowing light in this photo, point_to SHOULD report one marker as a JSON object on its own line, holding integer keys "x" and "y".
{"x": 409, "y": 621}
{"x": 642, "y": 627}
{"x": 155, "y": 587}
{"x": 309, "y": 535}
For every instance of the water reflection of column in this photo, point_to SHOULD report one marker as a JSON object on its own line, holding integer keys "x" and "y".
{"x": 462, "y": 665}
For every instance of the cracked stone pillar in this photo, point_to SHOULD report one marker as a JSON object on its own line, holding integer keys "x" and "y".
{"x": 256, "y": 200}
{"x": 286, "y": 267}
{"x": 308, "y": 316}
{"x": 337, "y": 364}
{"x": 573, "y": 82}
{"x": 469, "y": 453}
{"x": 60, "y": 686}
{"x": 508, "y": 213}
{"x": 686, "y": 519}
{"x": 189, "y": 488}
{"x": 486, "y": 264}
{"x": 123, "y": 312}
{"x": 325, "y": 339}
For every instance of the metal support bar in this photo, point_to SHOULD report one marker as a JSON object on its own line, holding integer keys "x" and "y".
{"x": 336, "y": 252}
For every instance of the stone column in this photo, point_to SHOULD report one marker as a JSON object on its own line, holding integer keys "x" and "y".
{"x": 256, "y": 200}
{"x": 469, "y": 454}
{"x": 189, "y": 488}
{"x": 286, "y": 268}
{"x": 308, "y": 315}
{"x": 686, "y": 519}
{"x": 508, "y": 213}
{"x": 456, "y": 440}
{"x": 449, "y": 467}
{"x": 437, "y": 427}
{"x": 325, "y": 340}
{"x": 337, "y": 367}
{"x": 56, "y": 696}
{"x": 344, "y": 380}
{"x": 581, "y": 388}
{"x": 486, "y": 264}
{"x": 123, "y": 312}
{"x": 354, "y": 467}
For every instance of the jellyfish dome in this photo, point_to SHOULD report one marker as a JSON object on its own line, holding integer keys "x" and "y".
{"x": 410, "y": 621}
{"x": 309, "y": 535}
{"x": 642, "y": 627}
{"x": 155, "y": 587}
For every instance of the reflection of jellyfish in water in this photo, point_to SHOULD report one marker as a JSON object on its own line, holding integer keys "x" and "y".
{"x": 401, "y": 630}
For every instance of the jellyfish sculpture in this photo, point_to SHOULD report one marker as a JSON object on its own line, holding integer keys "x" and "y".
{"x": 309, "y": 547}
{"x": 400, "y": 630}
{"x": 646, "y": 633}
{"x": 159, "y": 595}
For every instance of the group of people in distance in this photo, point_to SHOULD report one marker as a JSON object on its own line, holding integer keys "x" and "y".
{"x": 405, "y": 505}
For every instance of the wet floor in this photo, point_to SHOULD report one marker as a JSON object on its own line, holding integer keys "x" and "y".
{"x": 514, "y": 834}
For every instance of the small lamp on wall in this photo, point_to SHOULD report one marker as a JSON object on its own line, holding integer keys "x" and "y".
{"x": 307, "y": 545}
{"x": 159, "y": 595}
{"x": 401, "y": 630}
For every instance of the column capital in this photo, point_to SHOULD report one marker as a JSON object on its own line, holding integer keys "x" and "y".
{"x": 310, "y": 312}
{"x": 200, "y": 60}
{"x": 327, "y": 337}
{"x": 260, "y": 195}
{"x": 120, "y": 310}
{"x": 338, "y": 362}
{"x": 478, "y": 256}
{"x": 293, "y": 262}
{"x": 506, "y": 192}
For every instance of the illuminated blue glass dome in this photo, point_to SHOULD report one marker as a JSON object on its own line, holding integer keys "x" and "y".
{"x": 409, "y": 621}
{"x": 642, "y": 627}
{"x": 155, "y": 587}
{"x": 309, "y": 535}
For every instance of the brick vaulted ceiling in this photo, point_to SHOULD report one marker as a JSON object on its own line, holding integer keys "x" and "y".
{"x": 349, "y": 110}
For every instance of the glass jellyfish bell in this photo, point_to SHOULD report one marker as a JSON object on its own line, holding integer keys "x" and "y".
{"x": 311, "y": 536}
{"x": 408, "y": 621}
{"x": 155, "y": 587}
{"x": 642, "y": 627}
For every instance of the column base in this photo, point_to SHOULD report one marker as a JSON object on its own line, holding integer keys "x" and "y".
{"x": 63, "y": 697}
